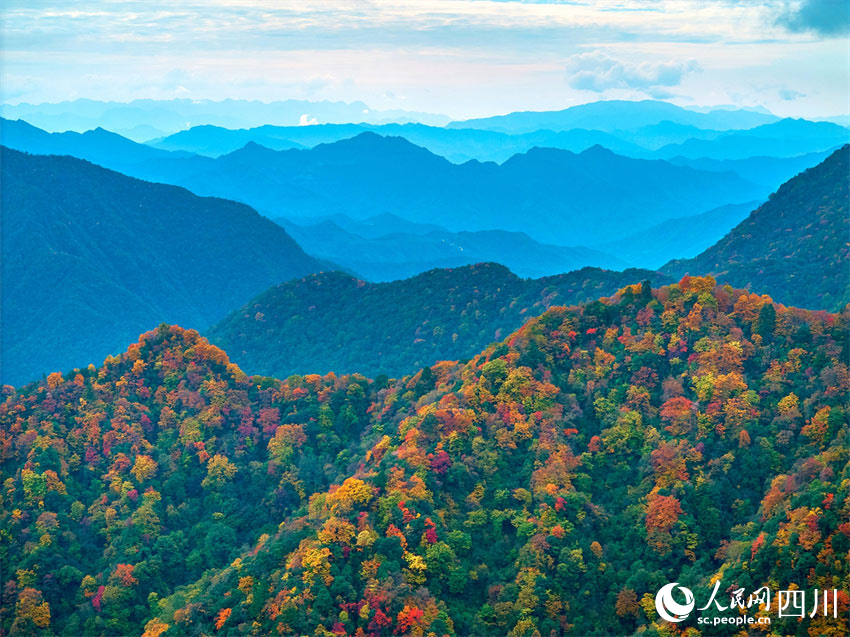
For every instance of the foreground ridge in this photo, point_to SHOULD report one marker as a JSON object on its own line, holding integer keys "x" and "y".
{"x": 558, "y": 479}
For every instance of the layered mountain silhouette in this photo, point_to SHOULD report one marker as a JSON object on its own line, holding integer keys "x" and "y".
{"x": 90, "y": 257}
{"x": 785, "y": 138}
{"x": 98, "y": 146}
{"x": 389, "y": 254}
{"x": 456, "y": 145}
{"x": 335, "y": 322}
{"x": 688, "y": 236}
{"x": 369, "y": 175}
{"x": 609, "y": 115}
{"x": 794, "y": 247}
{"x": 767, "y": 152}
{"x": 144, "y": 119}
{"x": 554, "y": 196}
{"x": 772, "y": 171}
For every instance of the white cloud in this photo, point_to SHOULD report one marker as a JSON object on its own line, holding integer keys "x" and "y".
{"x": 465, "y": 58}
{"x": 597, "y": 72}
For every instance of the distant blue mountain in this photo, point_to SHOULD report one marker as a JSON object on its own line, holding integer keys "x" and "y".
{"x": 98, "y": 146}
{"x": 615, "y": 115}
{"x": 397, "y": 255}
{"x": 555, "y": 196}
{"x": 457, "y": 145}
{"x": 377, "y": 226}
{"x": 654, "y": 136}
{"x": 769, "y": 171}
{"x": 145, "y": 119}
{"x": 687, "y": 236}
{"x": 663, "y": 140}
{"x": 785, "y": 138}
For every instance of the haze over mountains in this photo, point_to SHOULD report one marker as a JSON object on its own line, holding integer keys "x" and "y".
{"x": 144, "y": 119}
{"x": 552, "y": 195}
{"x": 393, "y": 255}
{"x": 781, "y": 139}
{"x": 609, "y": 116}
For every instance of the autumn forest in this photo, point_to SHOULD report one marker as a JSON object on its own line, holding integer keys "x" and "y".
{"x": 429, "y": 319}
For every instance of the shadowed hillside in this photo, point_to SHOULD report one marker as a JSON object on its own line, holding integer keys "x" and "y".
{"x": 90, "y": 258}
{"x": 334, "y": 322}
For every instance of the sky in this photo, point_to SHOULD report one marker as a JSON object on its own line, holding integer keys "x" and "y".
{"x": 462, "y": 58}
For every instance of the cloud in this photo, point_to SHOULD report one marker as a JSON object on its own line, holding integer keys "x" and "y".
{"x": 825, "y": 17}
{"x": 595, "y": 71}
{"x": 789, "y": 95}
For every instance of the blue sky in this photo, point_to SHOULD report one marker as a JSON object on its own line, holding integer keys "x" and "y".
{"x": 459, "y": 57}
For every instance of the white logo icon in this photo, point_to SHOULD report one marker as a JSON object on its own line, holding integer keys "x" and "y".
{"x": 668, "y": 608}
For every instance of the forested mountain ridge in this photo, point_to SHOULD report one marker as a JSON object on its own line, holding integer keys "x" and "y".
{"x": 335, "y": 322}
{"x": 793, "y": 247}
{"x": 592, "y": 455}
{"x": 91, "y": 257}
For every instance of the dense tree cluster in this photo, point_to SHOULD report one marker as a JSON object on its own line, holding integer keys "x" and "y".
{"x": 550, "y": 485}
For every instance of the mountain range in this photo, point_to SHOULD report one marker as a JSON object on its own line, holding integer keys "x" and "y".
{"x": 609, "y": 115}
{"x": 462, "y": 452}
{"x": 90, "y": 257}
{"x": 144, "y": 119}
{"x": 780, "y": 140}
{"x": 687, "y": 236}
{"x": 328, "y": 322}
{"x": 554, "y": 196}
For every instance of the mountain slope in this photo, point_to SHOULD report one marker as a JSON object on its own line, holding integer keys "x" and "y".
{"x": 399, "y": 255}
{"x": 794, "y": 247}
{"x": 553, "y": 484}
{"x": 333, "y": 322}
{"x": 90, "y": 257}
